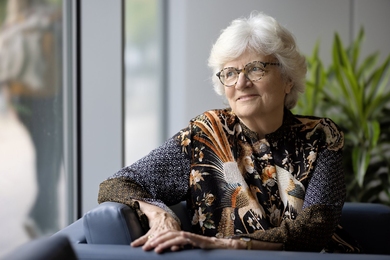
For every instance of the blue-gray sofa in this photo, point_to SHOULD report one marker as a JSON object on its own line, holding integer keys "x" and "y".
{"x": 106, "y": 232}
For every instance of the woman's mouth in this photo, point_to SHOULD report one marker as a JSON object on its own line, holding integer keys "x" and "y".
{"x": 246, "y": 97}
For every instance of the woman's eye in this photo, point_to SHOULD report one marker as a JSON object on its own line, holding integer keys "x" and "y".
{"x": 256, "y": 69}
{"x": 229, "y": 74}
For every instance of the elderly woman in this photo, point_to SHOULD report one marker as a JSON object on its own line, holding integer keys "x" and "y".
{"x": 254, "y": 175}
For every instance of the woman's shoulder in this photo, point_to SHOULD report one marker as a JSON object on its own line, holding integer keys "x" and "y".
{"x": 322, "y": 126}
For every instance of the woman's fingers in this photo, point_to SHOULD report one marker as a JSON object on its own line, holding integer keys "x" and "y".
{"x": 176, "y": 248}
{"x": 176, "y": 240}
{"x": 142, "y": 240}
{"x": 161, "y": 224}
{"x": 171, "y": 240}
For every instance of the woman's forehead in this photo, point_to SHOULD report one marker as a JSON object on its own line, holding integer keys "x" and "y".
{"x": 247, "y": 57}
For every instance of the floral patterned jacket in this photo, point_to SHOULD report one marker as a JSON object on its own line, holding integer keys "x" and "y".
{"x": 288, "y": 187}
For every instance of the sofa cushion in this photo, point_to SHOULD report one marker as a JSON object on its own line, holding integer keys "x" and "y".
{"x": 111, "y": 223}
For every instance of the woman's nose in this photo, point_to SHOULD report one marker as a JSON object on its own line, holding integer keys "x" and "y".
{"x": 243, "y": 81}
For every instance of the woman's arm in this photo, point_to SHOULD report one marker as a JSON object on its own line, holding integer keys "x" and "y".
{"x": 175, "y": 240}
{"x": 160, "y": 177}
{"x": 156, "y": 181}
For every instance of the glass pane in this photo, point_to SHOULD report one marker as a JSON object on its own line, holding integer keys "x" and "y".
{"x": 143, "y": 101}
{"x": 32, "y": 186}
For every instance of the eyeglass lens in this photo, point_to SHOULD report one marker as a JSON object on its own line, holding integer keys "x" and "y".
{"x": 254, "y": 71}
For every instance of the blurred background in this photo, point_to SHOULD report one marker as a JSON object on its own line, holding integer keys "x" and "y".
{"x": 89, "y": 86}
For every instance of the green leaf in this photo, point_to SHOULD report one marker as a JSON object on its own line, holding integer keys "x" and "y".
{"x": 377, "y": 105}
{"x": 356, "y": 48}
{"x": 360, "y": 159}
{"x": 338, "y": 63}
{"x": 378, "y": 82}
{"x": 367, "y": 65}
{"x": 376, "y": 131}
{"x": 344, "y": 72}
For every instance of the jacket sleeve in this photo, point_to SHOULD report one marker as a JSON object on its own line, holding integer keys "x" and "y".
{"x": 160, "y": 178}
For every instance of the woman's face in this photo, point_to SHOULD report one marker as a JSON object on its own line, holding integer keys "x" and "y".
{"x": 258, "y": 99}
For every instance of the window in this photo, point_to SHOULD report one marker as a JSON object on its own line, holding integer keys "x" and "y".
{"x": 34, "y": 115}
{"x": 144, "y": 72}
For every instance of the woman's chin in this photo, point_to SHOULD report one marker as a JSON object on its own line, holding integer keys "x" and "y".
{"x": 246, "y": 114}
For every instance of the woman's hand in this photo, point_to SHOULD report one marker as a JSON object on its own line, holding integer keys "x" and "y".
{"x": 176, "y": 240}
{"x": 159, "y": 221}
{"x": 165, "y": 233}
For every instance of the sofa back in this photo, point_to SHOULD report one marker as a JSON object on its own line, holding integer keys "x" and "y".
{"x": 369, "y": 224}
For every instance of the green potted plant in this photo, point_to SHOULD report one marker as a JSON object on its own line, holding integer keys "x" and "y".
{"x": 356, "y": 95}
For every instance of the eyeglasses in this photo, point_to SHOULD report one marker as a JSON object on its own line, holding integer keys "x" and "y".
{"x": 253, "y": 71}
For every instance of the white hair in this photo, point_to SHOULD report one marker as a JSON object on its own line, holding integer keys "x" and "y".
{"x": 263, "y": 34}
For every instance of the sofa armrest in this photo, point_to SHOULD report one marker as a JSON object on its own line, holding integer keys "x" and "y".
{"x": 111, "y": 223}
{"x": 369, "y": 224}
{"x": 49, "y": 248}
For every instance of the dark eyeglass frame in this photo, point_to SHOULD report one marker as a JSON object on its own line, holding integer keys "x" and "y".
{"x": 245, "y": 72}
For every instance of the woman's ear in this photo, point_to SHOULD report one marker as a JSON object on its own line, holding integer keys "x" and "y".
{"x": 289, "y": 86}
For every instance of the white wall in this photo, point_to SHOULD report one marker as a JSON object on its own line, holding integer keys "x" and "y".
{"x": 101, "y": 95}
{"x": 195, "y": 25}
{"x": 374, "y": 15}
